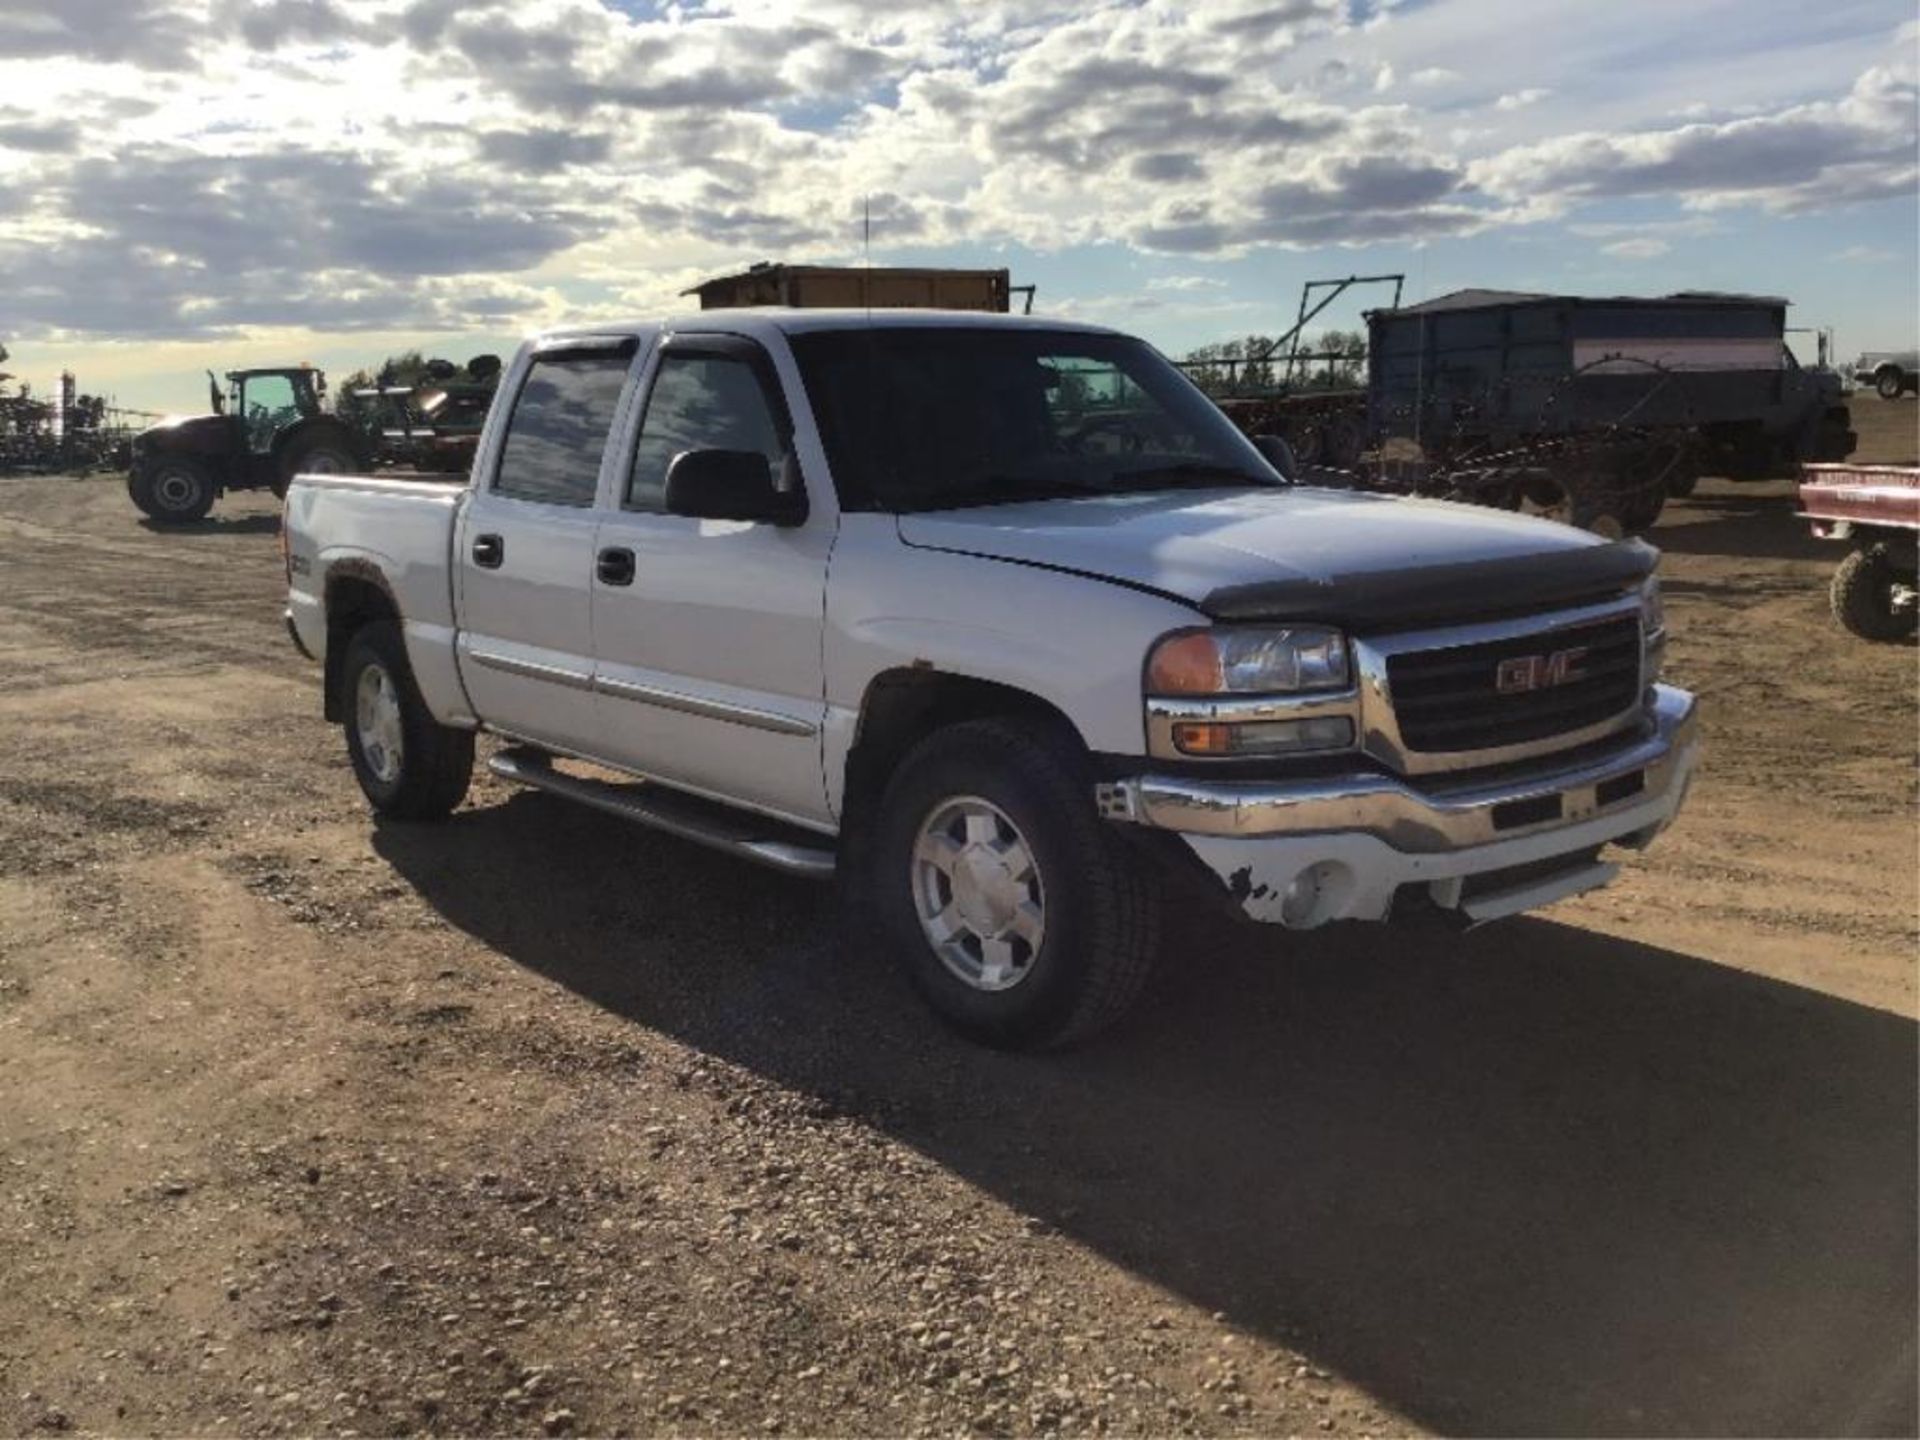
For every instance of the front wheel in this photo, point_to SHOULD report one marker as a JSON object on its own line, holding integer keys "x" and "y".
{"x": 1873, "y": 598}
{"x": 409, "y": 765}
{"x": 1889, "y": 384}
{"x": 174, "y": 492}
{"x": 1022, "y": 919}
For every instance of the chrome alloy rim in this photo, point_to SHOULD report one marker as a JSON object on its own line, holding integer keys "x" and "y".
{"x": 977, "y": 891}
{"x": 376, "y": 721}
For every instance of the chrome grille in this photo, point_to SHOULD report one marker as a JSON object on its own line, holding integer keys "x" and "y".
{"x": 1448, "y": 700}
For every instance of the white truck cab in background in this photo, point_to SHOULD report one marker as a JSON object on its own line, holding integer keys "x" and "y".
{"x": 1002, "y": 620}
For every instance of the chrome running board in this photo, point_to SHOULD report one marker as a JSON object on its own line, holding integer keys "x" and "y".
{"x": 705, "y": 822}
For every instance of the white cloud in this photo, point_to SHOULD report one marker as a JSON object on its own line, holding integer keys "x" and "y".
{"x": 1645, "y": 248}
{"x": 1798, "y": 158}
{"x": 1186, "y": 282}
{"x": 1520, "y": 99}
{"x": 177, "y": 167}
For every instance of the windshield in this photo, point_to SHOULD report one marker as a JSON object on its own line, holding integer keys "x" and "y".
{"x": 943, "y": 416}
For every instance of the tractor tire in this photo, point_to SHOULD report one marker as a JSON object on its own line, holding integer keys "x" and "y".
{"x": 1889, "y": 383}
{"x": 322, "y": 455}
{"x": 1024, "y": 922}
{"x": 1864, "y": 599}
{"x": 175, "y": 491}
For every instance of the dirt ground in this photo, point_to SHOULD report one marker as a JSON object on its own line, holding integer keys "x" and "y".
{"x": 533, "y": 1122}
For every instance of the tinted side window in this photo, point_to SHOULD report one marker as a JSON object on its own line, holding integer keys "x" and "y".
{"x": 559, "y": 429}
{"x": 701, "y": 402}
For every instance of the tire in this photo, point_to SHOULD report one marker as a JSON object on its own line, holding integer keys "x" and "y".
{"x": 1889, "y": 383}
{"x": 1639, "y": 513}
{"x": 1017, "y": 796}
{"x": 322, "y": 456}
{"x": 174, "y": 491}
{"x": 429, "y": 774}
{"x": 1862, "y": 596}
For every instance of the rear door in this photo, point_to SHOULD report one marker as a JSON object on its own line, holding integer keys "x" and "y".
{"x": 708, "y": 632}
{"x": 523, "y": 560}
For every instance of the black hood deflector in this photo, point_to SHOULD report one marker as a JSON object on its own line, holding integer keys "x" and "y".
{"x": 1442, "y": 594}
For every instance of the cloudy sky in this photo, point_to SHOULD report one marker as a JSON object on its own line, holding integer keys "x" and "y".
{"x": 221, "y": 182}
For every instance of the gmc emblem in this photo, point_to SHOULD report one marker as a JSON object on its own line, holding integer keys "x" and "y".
{"x": 1525, "y": 673}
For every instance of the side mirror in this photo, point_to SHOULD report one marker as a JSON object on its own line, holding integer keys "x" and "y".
{"x": 730, "y": 485}
{"x": 1277, "y": 453}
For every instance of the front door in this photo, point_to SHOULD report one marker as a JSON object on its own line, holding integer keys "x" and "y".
{"x": 523, "y": 558}
{"x": 708, "y": 632}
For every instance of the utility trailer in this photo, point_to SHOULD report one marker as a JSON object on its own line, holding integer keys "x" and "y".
{"x": 862, "y": 288}
{"x": 1596, "y": 409}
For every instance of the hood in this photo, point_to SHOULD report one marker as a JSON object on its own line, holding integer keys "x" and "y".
{"x": 1360, "y": 560}
{"x": 173, "y": 423}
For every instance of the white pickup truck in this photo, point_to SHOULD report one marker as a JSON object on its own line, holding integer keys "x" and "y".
{"x": 1003, "y": 621}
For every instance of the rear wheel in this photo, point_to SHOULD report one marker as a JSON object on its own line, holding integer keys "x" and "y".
{"x": 409, "y": 765}
{"x": 1873, "y": 597}
{"x": 1021, "y": 918}
{"x": 323, "y": 456}
{"x": 174, "y": 491}
{"x": 1888, "y": 383}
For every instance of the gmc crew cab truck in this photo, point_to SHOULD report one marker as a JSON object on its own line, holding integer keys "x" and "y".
{"x": 1002, "y": 619}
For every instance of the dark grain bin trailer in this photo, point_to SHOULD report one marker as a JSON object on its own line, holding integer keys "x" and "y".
{"x": 856, "y": 288}
{"x": 1598, "y": 408}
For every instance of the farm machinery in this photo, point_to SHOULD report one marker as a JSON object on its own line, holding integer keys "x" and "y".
{"x": 1590, "y": 410}
{"x": 273, "y": 423}
{"x": 267, "y": 426}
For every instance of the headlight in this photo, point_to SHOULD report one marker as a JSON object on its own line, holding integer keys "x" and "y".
{"x": 1249, "y": 662}
{"x": 1653, "y": 629}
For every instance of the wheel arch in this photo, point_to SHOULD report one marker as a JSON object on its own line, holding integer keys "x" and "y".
{"x": 904, "y": 705}
{"x": 357, "y": 595}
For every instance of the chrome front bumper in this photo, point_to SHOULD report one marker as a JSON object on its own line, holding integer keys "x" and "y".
{"x": 1307, "y": 851}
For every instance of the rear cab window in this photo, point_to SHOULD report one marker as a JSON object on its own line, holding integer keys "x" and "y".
{"x": 558, "y": 430}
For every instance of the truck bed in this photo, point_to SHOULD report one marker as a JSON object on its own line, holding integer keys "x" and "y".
{"x": 391, "y": 531}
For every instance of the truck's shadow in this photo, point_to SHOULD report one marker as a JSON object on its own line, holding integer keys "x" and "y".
{"x": 1529, "y": 1181}
{"x": 262, "y": 523}
{"x": 1741, "y": 521}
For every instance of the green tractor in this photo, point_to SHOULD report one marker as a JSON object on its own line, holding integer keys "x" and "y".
{"x": 270, "y": 425}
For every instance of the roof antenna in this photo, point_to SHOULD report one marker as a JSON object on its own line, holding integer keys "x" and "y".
{"x": 866, "y": 249}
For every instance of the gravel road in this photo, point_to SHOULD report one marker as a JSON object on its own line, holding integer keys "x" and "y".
{"x": 535, "y": 1123}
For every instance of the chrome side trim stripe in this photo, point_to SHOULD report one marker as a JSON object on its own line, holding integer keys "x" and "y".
{"x": 708, "y": 709}
{"x": 530, "y": 669}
